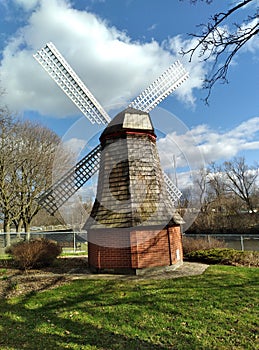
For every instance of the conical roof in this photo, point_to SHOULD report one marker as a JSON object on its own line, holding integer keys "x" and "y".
{"x": 129, "y": 119}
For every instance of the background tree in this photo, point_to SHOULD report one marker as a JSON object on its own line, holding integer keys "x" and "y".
{"x": 34, "y": 170}
{"x": 241, "y": 180}
{"x": 222, "y": 38}
{"x": 8, "y": 200}
{"x": 200, "y": 185}
{"x": 43, "y": 219}
{"x": 26, "y": 158}
{"x": 224, "y": 204}
{"x": 216, "y": 186}
{"x": 231, "y": 198}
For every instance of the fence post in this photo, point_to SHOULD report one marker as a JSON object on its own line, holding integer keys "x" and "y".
{"x": 242, "y": 243}
{"x": 74, "y": 241}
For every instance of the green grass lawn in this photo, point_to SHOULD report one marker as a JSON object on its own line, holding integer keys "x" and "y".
{"x": 217, "y": 310}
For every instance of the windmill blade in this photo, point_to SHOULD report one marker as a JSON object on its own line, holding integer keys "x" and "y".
{"x": 65, "y": 77}
{"x": 173, "y": 191}
{"x": 69, "y": 183}
{"x": 163, "y": 86}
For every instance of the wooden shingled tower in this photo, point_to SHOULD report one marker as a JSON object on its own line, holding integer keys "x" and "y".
{"x": 133, "y": 224}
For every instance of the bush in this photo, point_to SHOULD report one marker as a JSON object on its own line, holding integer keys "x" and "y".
{"x": 194, "y": 244}
{"x": 34, "y": 253}
{"x": 225, "y": 256}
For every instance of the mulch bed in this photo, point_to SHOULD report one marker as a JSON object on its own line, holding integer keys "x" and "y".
{"x": 14, "y": 282}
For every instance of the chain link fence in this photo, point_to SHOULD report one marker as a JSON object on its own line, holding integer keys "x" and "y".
{"x": 234, "y": 241}
{"x": 76, "y": 242}
{"x": 71, "y": 242}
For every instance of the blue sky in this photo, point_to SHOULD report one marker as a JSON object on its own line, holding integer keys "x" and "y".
{"x": 118, "y": 48}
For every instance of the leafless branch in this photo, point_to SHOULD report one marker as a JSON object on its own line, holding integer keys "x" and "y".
{"x": 217, "y": 43}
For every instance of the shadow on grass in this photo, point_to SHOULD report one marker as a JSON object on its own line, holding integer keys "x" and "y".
{"x": 134, "y": 315}
{"x": 27, "y": 324}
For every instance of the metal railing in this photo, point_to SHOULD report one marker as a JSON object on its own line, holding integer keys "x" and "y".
{"x": 70, "y": 241}
{"x": 235, "y": 241}
{"x": 77, "y": 241}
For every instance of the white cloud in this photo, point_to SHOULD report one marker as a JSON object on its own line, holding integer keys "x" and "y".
{"x": 254, "y": 4}
{"x": 27, "y": 5}
{"x": 114, "y": 67}
{"x": 196, "y": 68}
{"x": 213, "y": 145}
{"x": 74, "y": 145}
{"x": 252, "y": 44}
{"x": 246, "y": 130}
{"x": 152, "y": 27}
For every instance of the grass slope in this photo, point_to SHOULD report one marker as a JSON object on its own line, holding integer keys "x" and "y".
{"x": 217, "y": 310}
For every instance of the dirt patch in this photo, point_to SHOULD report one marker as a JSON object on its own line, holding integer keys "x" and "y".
{"x": 14, "y": 282}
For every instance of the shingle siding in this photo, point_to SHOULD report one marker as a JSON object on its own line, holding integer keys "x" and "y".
{"x": 131, "y": 198}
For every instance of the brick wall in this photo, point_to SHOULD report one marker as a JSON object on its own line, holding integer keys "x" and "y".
{"x": 108, "y": 258}
{"x": 156, "y": 248}
{"x": 126, "y": 249}
{"x": 109, "y": 249}
{"x": 176, "y": 244}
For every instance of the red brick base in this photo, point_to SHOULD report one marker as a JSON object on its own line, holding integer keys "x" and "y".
{"x": 128, "y": 250}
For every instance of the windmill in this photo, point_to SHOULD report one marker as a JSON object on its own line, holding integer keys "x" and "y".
{"x": 134, "y": 201}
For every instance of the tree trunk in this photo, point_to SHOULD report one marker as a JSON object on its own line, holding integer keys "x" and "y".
{"x": 6, "y": 226}
{"x": 20, "y": 223}
{"x": 19, "y": 228}
{"x": 7, "y": 239}
{"x": 7, "y": 233}
{"x": 27, "y": 228}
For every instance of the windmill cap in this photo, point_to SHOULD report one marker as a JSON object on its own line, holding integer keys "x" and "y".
{"x": 130, "y": 119}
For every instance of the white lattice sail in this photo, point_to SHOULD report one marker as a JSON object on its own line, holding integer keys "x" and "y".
{"x": 173, "y": 191}
{"x": 65, "y": 77}
{"x": 163, "y": 86}
{"x": 70, "y": 183}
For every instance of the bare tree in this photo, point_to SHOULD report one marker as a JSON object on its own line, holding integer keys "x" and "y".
{"x": 8, "y": 200}
{"x": 26, "y": 158}
{"x": 241, "y": 180}
{"x": 230, "y": 188}
{"x": 224, "y": 205}
{"x": 42, "y": 218}
{"x": 220, "y": 41}
{"x": 34, "y": 167}
{"x": 200, "y": 183}
{"x": 216, "y": 185}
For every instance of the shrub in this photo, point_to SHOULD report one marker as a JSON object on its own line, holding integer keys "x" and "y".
{"x": 34, "y": 253}
{"x": 225, "y": 256}
{"x": 194, "y": 244}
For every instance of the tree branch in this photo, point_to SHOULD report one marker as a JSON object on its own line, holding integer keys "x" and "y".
{"x": 217, "y": 43}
